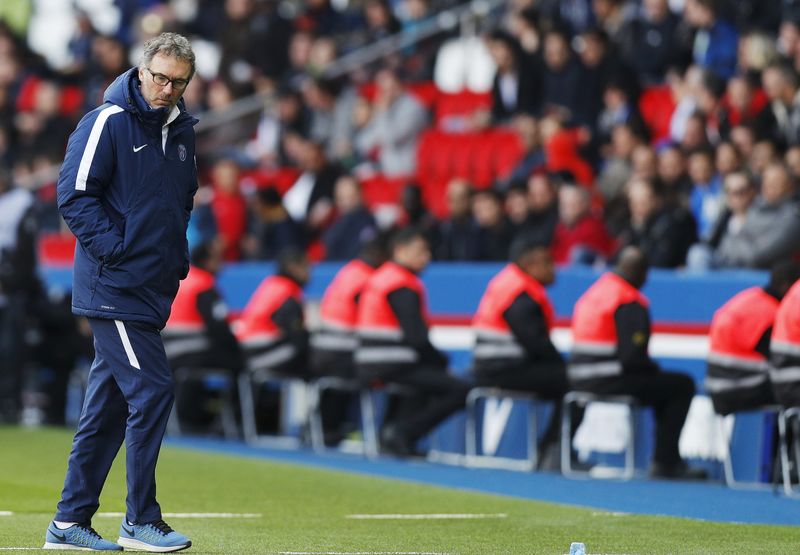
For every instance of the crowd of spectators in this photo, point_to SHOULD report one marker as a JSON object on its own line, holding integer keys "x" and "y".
{"x": 672, "y": 125}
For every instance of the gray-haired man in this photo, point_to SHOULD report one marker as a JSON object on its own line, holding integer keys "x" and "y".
{"x": 125, "y": 190}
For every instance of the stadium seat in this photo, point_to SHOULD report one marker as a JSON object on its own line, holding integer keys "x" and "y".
{"x": 789, "y": 448}
{"x": 481, "y": 157}
{"x": 370, "y": 414}
{"x": 213, "y": 379}
{"x": 453, "y": 108}
{"x": 508, "y": 151}
{"x": 582, "y": 399}
{"x": 316, "y": 390}
{"x": 249, "y": 383}
{"x": 727, "y": 461}
{"x": 476, "y": 459}
{"x": 381, "y": 190}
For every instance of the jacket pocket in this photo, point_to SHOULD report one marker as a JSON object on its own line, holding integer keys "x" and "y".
{"x": 95, "y": 277}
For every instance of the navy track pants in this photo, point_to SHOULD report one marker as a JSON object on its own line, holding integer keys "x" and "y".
{"x": 129, "y": 397}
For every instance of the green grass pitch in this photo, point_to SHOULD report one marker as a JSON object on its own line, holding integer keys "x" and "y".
{"x": 305, "y": 510}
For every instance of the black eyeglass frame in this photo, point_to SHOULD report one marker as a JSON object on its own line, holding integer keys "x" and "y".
{"x": 177, "y": 84}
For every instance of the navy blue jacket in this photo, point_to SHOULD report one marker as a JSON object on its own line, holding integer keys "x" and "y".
{"x": 128, "y": 203}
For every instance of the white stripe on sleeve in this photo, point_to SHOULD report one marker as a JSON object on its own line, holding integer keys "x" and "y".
{"x": 91, "y": 146}
{"x": 126, "y": 342}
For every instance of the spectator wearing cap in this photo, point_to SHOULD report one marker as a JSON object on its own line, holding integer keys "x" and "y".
{"x": 771, "y": 229}
{"x": 459, "y": 235}
{"x": 715, "y": 40}
{"x": 514, "y": 86}
{"x": 580, "y": 236}
{"x": 272, "y": 230}
{"x": 496, "y": 232}
{"x": 354, "y": 224}
{"x": 663, "y": 232}
{"x": 648, "y": 41}
{"x": 393, "y": 128}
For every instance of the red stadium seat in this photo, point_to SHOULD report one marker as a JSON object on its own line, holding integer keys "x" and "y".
{"x": 482, "y": 158}
{"x": 507, "y": 150}
{"x": 461, "y": 104}
{"x": 380, "y": 190}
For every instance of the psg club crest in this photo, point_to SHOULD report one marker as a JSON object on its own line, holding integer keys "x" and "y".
{"x": 182, "y": 152}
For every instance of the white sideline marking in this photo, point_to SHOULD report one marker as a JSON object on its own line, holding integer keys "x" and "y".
{"x": 609, "y": 513}
{"x": 361, "y": 553}
{"x": 434, "y": 516}
{"x": 6, "y": 513}
{"x": 191, "y": 515}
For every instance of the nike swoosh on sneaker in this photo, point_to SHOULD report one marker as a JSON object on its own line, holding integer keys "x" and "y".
{"x": 138, "y": 148}
{"x": 129, "y": 532}
{"x": 59, "y": 538}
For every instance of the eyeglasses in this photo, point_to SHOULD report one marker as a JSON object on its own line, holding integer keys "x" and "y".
{"x": 162, "y": 80}
{"x": 738, "y": 192}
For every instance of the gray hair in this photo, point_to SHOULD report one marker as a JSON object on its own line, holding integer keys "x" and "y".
{"x": 168, "y": 44}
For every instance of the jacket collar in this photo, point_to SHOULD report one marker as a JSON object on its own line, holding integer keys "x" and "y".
{"x": 126, "y": 93}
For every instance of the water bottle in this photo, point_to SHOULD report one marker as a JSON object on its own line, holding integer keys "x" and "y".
{"x": 577, "y": 548}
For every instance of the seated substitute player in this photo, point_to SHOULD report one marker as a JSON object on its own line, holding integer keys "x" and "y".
{"x": 333, "y": 344}
{"x": 785, "y": 350}
{"x": 394, "y": 347}
{"x": 513, "y": 349}
{"x": 611, "y": 333}
{"x": 197, "y": 334}
{"x": 738, "y": 361}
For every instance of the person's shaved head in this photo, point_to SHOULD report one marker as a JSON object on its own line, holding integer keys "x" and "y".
{"x": 632, "y": 265}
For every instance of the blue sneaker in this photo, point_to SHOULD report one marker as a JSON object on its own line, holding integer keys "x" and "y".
{"x": 80, "y": 537}
{"x": 155, "y": 537}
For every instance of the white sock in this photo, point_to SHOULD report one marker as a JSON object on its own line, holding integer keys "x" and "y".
{"x": 63, "y": 525}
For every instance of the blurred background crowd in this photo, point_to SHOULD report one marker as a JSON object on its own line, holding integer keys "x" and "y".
{"x": 591, "y": 125}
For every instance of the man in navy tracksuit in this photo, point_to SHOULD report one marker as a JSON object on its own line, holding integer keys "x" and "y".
{"x": 125, "y": 190}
